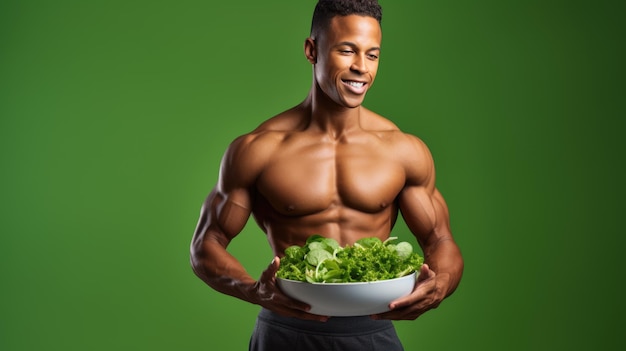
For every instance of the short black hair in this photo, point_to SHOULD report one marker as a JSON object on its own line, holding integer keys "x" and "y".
{"x": 325, "y": 10}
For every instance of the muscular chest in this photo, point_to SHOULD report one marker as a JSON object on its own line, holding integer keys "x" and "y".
{"x": 317, "y": 177}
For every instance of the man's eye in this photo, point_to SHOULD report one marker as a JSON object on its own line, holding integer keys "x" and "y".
{"x": 373, "y": 57}
{"x": 346, "y": 52}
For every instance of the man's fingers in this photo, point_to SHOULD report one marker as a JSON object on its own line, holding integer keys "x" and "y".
{"x": 425, "y": 273}
{"x": 272, "y": 268}
{"x": 275, "y": 264}
{"x": 419, "y": 291}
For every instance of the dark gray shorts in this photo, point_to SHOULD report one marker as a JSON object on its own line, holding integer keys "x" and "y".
{"x": 273, "y": 332}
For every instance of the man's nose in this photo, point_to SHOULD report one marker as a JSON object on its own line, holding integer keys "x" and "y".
{"x": 359, "y": 64}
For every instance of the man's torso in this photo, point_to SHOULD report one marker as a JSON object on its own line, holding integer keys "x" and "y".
{"x": 345, "y": 187}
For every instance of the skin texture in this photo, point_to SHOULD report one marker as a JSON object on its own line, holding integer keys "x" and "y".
{"x": 328, "y": 166}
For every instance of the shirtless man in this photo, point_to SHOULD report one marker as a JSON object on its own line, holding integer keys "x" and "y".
{"x": 327, "y": 166}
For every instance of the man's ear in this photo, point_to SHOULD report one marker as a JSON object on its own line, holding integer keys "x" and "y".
{"x": 310, "y": 50}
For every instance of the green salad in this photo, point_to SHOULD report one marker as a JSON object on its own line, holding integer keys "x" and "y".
{"x": 322, "y": 260}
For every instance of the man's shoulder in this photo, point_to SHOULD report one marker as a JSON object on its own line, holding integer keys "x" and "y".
{"x": 268, "y": 134}
{"x": 405, "y": 147}
{"x": 372, "y": 121}
{"x": 389, "y": 130}
{"x": 284, "y": 122}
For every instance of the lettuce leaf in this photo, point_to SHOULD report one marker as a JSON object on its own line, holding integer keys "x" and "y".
{"x": 323, "y": 260}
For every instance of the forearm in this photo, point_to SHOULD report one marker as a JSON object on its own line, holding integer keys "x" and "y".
{"x": 445, "y": 259}
{"x": 221, "y": 271}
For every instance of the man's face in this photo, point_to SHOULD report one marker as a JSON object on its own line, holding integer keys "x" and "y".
{"x": 347, "y": 58}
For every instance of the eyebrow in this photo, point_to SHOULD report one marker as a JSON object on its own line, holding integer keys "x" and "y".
{"x": 353, "y": 45}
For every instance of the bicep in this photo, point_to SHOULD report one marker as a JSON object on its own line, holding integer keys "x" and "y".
{"x": 232, "y": 211}
{"x": 222, "y": 217}
{"x": 226, "y": 209}
{"x": 426, "y": 214}
{"x": 421, "y": 204}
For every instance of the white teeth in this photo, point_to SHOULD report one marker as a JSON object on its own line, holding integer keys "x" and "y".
{"x": 356, "y": 84}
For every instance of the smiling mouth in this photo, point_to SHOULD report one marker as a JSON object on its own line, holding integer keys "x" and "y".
{"x": 354, "y": 84}
{"x": 355, "y": 87}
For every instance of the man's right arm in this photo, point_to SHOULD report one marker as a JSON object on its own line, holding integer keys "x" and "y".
{"x": 223, "y": 215}
{"x": 221, "y": 219}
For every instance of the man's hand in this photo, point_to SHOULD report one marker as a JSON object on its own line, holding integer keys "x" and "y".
{"x": 269, "y": 296}
{"x": 430, "y": 289}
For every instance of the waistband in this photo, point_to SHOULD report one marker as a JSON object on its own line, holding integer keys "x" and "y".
{"x": 334, "y": 325}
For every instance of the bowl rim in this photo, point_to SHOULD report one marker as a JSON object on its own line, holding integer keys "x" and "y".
{"x": 351, "y": 283}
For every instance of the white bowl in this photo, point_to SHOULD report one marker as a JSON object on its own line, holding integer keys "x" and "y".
{"x": 348, "y": 299}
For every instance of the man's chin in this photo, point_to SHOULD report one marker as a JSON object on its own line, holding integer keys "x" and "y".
{"x": 353, "y": 102}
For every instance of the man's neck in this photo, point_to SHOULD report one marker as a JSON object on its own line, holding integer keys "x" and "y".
{"x": 329, "y": 117}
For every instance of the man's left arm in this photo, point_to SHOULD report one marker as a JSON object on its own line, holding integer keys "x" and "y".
{"x": 426, "y": 214}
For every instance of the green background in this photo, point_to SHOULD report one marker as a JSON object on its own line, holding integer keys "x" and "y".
{"x": 114, "y": 115}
